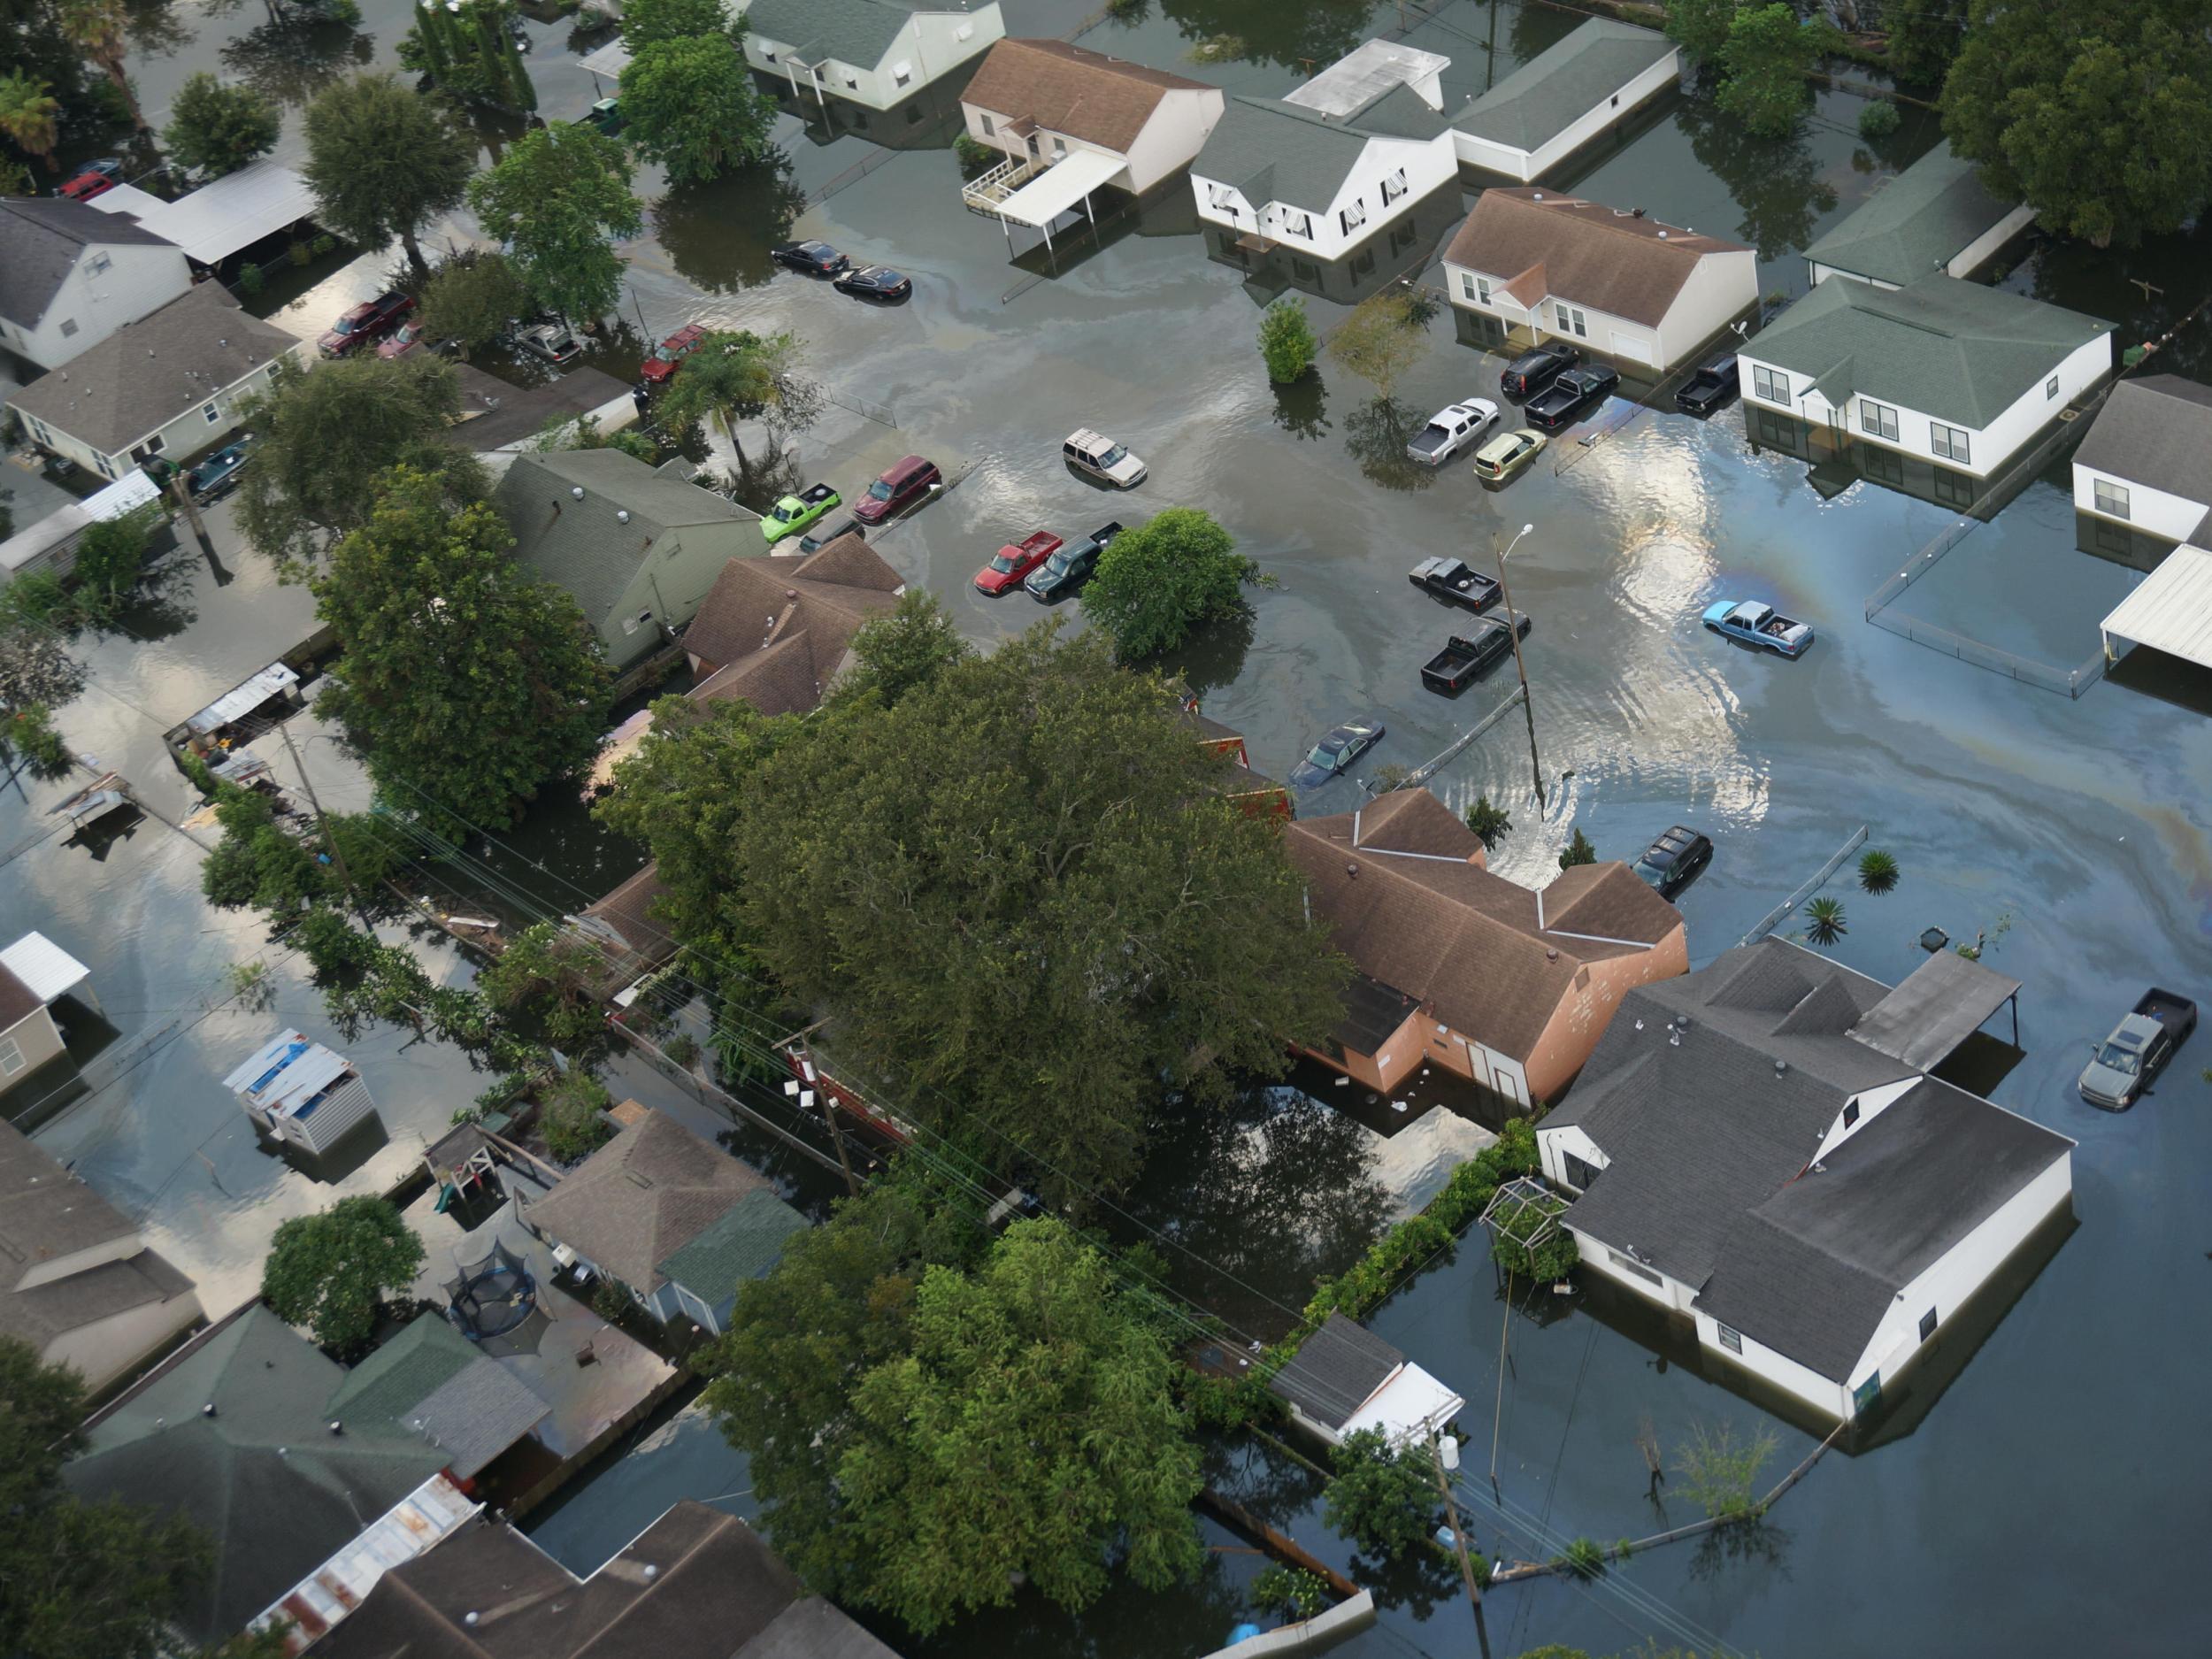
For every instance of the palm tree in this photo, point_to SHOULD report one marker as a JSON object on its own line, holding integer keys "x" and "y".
{"x": 96, "y": 27}
{"x": 26, "y": 116}
{"x": 1824, "y": 921}
{"x": 729, "y": 376}
{"x": 1877, "y": 870}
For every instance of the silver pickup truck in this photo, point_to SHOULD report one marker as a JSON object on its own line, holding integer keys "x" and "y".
{"x": 2122, "y": 1065}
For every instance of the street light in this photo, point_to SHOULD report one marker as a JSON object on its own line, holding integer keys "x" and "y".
{"x": 1513, "y": 633}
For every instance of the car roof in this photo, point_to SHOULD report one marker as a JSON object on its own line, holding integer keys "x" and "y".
{"x": 1089, "y": 438}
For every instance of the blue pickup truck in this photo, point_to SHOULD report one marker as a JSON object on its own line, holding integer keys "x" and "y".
{"x": 1757, "y": 624}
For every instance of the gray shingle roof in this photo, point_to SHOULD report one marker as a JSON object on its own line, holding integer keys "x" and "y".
{"x": 42, "y": 238}
{"x": 431, "y": 1380}
{"x": 1916, "y": 224}
{"x": 1957, "y": 350}
{"x": 2157, "y": 432}
{"x": 1558, "y": 88}
{"x": 1336, "y": 1370}
{"x": 45, "y": 1211}
{"x": 1278, "y": 151}
{"x": 857, "y": 32}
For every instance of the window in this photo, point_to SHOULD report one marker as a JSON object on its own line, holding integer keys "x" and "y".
{"x": 1352, "y": 216}
{"x": 1769, "y": 427}
{"x": 10, "y": 1056}
{"x": 1884, "y": 467}
{"x": 1394, "y": 187}
{"x": 99, "y": 263}
{"x": 1572, "y": 321}
{"x": 1947, "y": 442}
{"x": 1878, "y": 418}
{"x": 1579, "y": 1175}
{"x": 68, "y": 326}
{"x": 1298, "y": 225}
{"x": 1221, "y": 198}
{"x": 106, "y": 466}
{"x": 152, "y": 445}
{"x": 900, "y": 74}
{"x": 2050, "y": 386}
{"x": 1766, "y": 384}
{"x": 1629, "y": 1264}
{"x": 852, "y": 83}
{"x": 987, "y": 129}
{"x": 38, "y": 430}
{"x": 1954, "y": 490}
{"x": 1927, "y": 1324}
{"x": 2112, "y": 499}
{"x": 1305, "y": 270}
{"x": 1401, "y": 239}
{"x": 1230, "y": 250}
{"x": 2111, "y": 540}
{"x": 1851, "y": 1114}
{"x": 913, "y": 115}
{"x": 210, "y": 414}
{"x": 1363, "y": 264}
{"x": 1731, "y": 1338}
{"x": 1474, "y": 287}
{"x": 1059, "y": 148}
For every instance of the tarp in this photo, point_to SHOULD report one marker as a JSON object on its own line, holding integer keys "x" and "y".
{"x": 2170, "y": 609}
{"x": 1933, "y": 1010}
{"x": 1059, "y": 188}
{"x": 236, "y": 212}
{"x": 43, "y": 966}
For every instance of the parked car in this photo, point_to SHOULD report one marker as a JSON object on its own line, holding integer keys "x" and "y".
{"x": 816, "y": 258}
{"x": 548, "y": 342}
{"x": 1336, "y": 752}
{"x": 815, "y": 540}
{"x": 796, "y": 512}
{"x": 1068, "y": 569}
{"x": 408, "y": 337}
{"x": 1098, "y": 455}
{"x": 1673, "y": 862}
{"x": 1755, "y": 624}
{"x": 604, "y": 118}
{"x": 658, "y": 368}
{"x": 1013, "y": 562}
{"x": 371, "y": 319}
{"x": 1455, "y": 582}
{"x": 1570, "y": 392}
{"x": 95, "y": 178}
{"x": 1532, "y": 370}
{"x": 1710, "y": 388}
{"x": 1468, "y": 657}
{"x": 906, "y": 484}
{"x": 874, "y": 282}
{"x": 1451, "y": 429}
{"x": 1501, "y": 459}
{"x": 217, "y": 475}
{"x": 2124, "y": 1064}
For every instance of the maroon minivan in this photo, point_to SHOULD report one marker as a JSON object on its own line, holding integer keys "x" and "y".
{"x": 904, "y": 485}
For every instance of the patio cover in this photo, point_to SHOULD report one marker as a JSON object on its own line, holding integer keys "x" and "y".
{"x": 1059, "y": 188}
{"x": 1937, "y": 1007}
{"x": 610, "y": 60}
{"x": 2170, "y": 610}
{"x": 244, "y": 698}
{"x": 44, "y": 966}
{"x": 126, "y": 495}
{"x": 236, "y": 212}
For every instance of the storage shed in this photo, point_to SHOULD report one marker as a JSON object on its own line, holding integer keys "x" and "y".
{"x": 301, "y": 1092}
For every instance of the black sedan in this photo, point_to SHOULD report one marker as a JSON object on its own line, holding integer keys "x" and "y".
{"x": 874, "y": 282}
{"x": 217, "y": 475}
{"x": 1574, "y": 391}
{"x": 1669, "y": 864}
{"x": 816, "y": 258}
{"x": 1336, "y": 752}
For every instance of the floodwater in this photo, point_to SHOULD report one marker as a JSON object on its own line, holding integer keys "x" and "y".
{"x": 2082, "y": 827}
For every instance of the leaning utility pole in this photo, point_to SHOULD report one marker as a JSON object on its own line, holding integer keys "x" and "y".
{"x": 1459, "y": 1542}
{"x": 1513, "y": 633}
{"x": 819, "y": 1086}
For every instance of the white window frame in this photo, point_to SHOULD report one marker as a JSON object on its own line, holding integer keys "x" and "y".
{"x": 1394, "y": 187}
{"x": 1950, "y": 443}
{"x": 1354, "y": 216}
{"x": 155, "y": 444}
{"x": 2111, "y": 498}
{"x": 11, "y": 1060}
{"x": 211, "y": 413}
{"x": 1730, "y": 1336}
{"x": 1221, "y": 198}
{"x": 1297, "y": 222}
{"x": 1877, "y": 421}
{"x": 1570, "y": 319}
{"x": 1059, "y": 148}
{"x": 2050, "y": 386}
{"x": 984, "y": 116}
{"x": 97, "y": 264}
{"x": 1770, "y": 386}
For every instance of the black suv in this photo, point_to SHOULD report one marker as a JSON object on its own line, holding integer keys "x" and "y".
{"x": 1532, "y": 370}
{"x": 1673, "y": 862}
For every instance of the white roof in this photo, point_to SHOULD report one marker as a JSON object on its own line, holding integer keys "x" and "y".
{"x": 1410, "y": 1403}
{"x": 425, "y": 1516}
{"x": 123, "y": 496}
{"x": 43, "y": 966}
{"x": 1059, "y": 188}
{"x": 1364, "y": 74}
{"x": 129, "y": 201}
{"x": 244, "y": 698}
{"x": 610, "y": 60}
{"x": 2170, "y": 609}
{"x": 286, "y": 1072}
{"x": 236, "y": 211}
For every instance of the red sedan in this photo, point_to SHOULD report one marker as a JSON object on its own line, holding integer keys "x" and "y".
{"x": 1014, "y": 562}
{"x": 672, "y": 352}
{"x": 371, "y": 319}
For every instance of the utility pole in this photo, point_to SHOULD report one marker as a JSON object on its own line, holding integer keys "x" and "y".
{"x": 1459, "y": 1541}
{"x": 1497, "y": 1419}
{"x": 1513, "y": 631}
{"x": 820, "y": 1092}
{"x": 322, "y": 823}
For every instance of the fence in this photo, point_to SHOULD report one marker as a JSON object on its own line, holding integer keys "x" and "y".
{"x": 2069, "y": 682}
{"x": 852, "y": 175}
{"x": 1767, "y": 922}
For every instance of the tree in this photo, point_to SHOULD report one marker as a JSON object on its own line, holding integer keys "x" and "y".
{"x": 328, "y": 438}
{"x": 1048, "y": 853}
{"x": 1379, "y": 341}
{"x": 653, "y": 22}
{"x": 96, "y": 27}
{"x": 690, "y": 105}
{"x": 730, "y": 377}
{"x": 559, "y": 198}
{"x": 1716, "y": 1472}
{"x": 330, "y": 1273}
{"x": 1767, "y": 56}
{"x": 28, "y": 116}
{"x": 42, "y": 1411}
{"x": 1287, "y": 341}
{"x": 214, "y": 130}
{"x": 1157, "y": 582}
{"x": 466, "y": 683}
{"x": 1383, "y": 1495}
{"x": 1824, "y": 921}
{"x": 1489, "y": 823}
{"x": 906, "y": 646}
{"x": 1699, "y": 26}
{"x": 470, "y": 50}
{"x": 541, "y": 984}
{"x": 1924, "y": 36}
{"x": 472, "y": 298}
{"x": 1579, "y": 851}
{"x": 572, "y": 1116}
{"x": 383, "y": 162}
{"x": 2094, "y": 114}
{"x": 111, "y": 555}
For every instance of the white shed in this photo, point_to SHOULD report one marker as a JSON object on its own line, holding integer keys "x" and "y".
{"x": 301, "y": 1092}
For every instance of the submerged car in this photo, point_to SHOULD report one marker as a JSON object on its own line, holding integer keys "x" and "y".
{"x": 1011, "y": 564}
{"x": 1710, "y": 388}
{"x": 371, "y": 319}
{"x": 217, "y": 475}
{"x": 905, "y": 484}
{"x": 548, "y": 342}
{"x": 604, "y": 118}
{"x": 796, "y": 512}
{"x": 1574, "y": 391}
{"x": 1467, "y": 657}
{"x": 1335, "y": 753}
{"x": 1532, "y": 370}
{"x": 1099, "y": 455}
{"x": 95, "y": 178}
{"x": 1455, "y": 582}
{"x": 661, "y": 365}
{"x": 1751, "y": 623}
{"x": 1070, "y": 568}
{"x": 410, "y": 337}
{"x": 1505, "y": 454}
{"x": 816, "y": 258}
{"x": 1451, "y": 429}
{"x": 819, "y": 537}
{"x": 874, "y": 282}
{"x": 1673, "y": 862}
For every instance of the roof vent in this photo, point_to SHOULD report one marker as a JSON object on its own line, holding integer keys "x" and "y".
{"x": 1781, "y": 1066}
{"x": 1674, "y": 1039}
{"x": 337, "y": 1427}
{"x": 790, "y": 593}
{"x": 1639, "y": 1024}
{"x": 1639, "y": 213}
{"x": 1352, "y": 872}
{"x": 208, "y": 1410}
{"x": 469, "y": 1617}
{"x": 1536, "y": 196}
{"x": 577, "y": 490}
{"x": 1551, "y": 953}
{"x": 1663, "y": 236}
{"x": 651, "y": 1572}
{"x": 622, "y": 515}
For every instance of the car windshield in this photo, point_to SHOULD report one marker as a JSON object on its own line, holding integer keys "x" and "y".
{"x": 347, "y": 325}
{"x": 1322, "y": 756}
{"x": 880, "y": 491}
{"x": 1005, "y": 564}
{"x": 2113, "y": 1057}
{"x": 1114, "y": 456}
{"x": 664, "y": 354}
{"x": 1058, "y": 562}
{"x": 1653, "y": 874}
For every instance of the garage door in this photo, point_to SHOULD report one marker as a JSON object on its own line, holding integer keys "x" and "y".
{"x": 1634, "y": 346}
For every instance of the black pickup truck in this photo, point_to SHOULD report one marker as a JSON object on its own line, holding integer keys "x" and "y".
{"x": 1068, "y": 569}
{"x": 1467, "y": 659}
{"x": 2123, "y": 1064}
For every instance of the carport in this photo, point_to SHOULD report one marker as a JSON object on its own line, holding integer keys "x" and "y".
{"x": 2170, "y": 610}
{"x": 236, "y": 212}
{"x": 1935, "y": 1010}
{"x": 1055, "y": 190}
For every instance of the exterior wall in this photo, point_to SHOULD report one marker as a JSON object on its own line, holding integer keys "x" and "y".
{"x": 1821, "y": 273}
{"x": 188, "y": 432}
{"x": 931, "y": 45}
{"x": 1428, "y": 167}
{"x": 1984, "y": 247}
{"x": 1176, "y": 133}
{"x": 137, "y": 281}
{"x": 1650, "y": 1283}
{"x": 2151, "y": 510}
{"x": 1555, "y": 1146}
{"x": 670, "y": 582}
{"x": 103, "y": 1351}
{"x": 1580, "y": 1019}
{"x": 36, "y": 1040}
{"x": 1870, "y": 1103}
{"x": 1722, "y": 288}
{"x": 118, "y": 1248}
{"x": 1529, "y": 166}
{"x": 999, "y": 139}
{"x": 1777, "y": 1369}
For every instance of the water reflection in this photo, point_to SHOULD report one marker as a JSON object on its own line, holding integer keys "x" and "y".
{"x": 717, "y": 234}
{"x": 1212, "y": 659}
{"x": 1777, "y": 182}
{"x": 1299, "y": 35}
{"x": 1376, "y": 434}
{"x": 1298, "y": 408}
{"x": 293, "y": 57}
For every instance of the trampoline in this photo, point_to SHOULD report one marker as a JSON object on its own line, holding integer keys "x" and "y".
{"x": 492, "y": 1296}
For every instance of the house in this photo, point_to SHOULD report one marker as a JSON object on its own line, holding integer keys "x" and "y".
{"x": 697, "y": 1584}
{"x": 1933, "y": 217}
{"x": 1463, "y": 969}
{"x": 424, "y": 1517}
{"x": 301, "y": 1094}
{"x": 675, "y": 1220}
{"x": 35, "y": 974}
{"x": 621, "y": 925}
{"x": 1330, "y": 164}
{"x": 231, "y": 1432}
{"x": 71, "y": 276}
{"x": 1254, "y": 792}
{"x": 1542, "y": 265}
{"x": 432, "y": 1381}
{"x": 1759, "y": 1147}
{"x": 1344, "y": 1379}
{"x": 1071, "y": 120}
{"x": 76, "y": 1281}
{"x": 1939, "y": 370}
{"x": 172, "y": 383}
{"x": 2148, "y": 460}
{"x": 777, "y": 634}
{"x": 638, "y": 548}
{"x": 878, "y": 53}
{"x": 1564, "y": 97}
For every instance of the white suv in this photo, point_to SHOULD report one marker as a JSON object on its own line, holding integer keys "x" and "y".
{"x": 1101, "y": 458}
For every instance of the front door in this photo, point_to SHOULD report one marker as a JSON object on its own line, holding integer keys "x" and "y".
{"x": 1034, "y": 152}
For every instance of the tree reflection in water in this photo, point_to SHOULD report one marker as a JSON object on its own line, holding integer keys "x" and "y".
{"x": 1376, "y": 434}
{"x": 1776, "y": 181}
{"x": 296, "y": 55}
{"x": 1304, "y": 36}
{"x": 717, "y": 234}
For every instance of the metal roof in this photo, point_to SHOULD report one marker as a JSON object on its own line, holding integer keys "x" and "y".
{"x": 235, "y": 212}
{"x": 1363, "y": 74}
{"x": 1059, "y": 188}
{"x": 1933, "y": 1010}
{"x": 426, "y": 1515}
{"x": 128, "y": 202}
{"x": 43, "y": 966}
{"x": 286, "y": 1072}
{"x": 2170, "y": 609}
{"x": 244, "y": 698}
{"x": 610, "y": 60}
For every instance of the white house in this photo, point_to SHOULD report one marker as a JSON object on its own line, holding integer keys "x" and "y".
{"x": 70, "y": 276}
{"x": 1325, "y": 166}
{"x": 872, "y": 52}
{"x": 2147, "y": 459}
{"x": 1608, "y": 279}
{"x": 35, "y": 974}
{"x": 1940, "y": 370}
{"x": 1759, "y": 1147}
{"x": 173, "y": 384}
{"x": 1561, "y": 99}
{"x": 1933, "y": 217}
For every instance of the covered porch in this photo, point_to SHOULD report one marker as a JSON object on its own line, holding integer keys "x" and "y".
{"x": 1027, "y": 190}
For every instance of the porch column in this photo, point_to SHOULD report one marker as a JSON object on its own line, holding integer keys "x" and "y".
{"x": 1087, "y": 209}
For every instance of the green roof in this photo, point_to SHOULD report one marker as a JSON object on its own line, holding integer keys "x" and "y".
{"x": 1957, "y": 350}
{"x": 406, "y": 1372}
{"x": 1276, "y": 152}
{"x": 1555, "y": 88}
{"x": 1916, "y": 224}
{"x": 855, "y": 32}
{"x": 743, "y": 1243}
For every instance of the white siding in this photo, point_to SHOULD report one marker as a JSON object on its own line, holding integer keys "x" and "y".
{"x": 186, "y": 433}
{"x": 1989, "y": 242}
{"x": 1528, "y": 165}
{"x": 2153, "y": 511}
{"x": 105, "y": 1349}
{"x": 1599, "y": 1258}
{"x": 1175, "y": 134}
{"x": 1555, "y": 1146}
{"x": 1778, "y": 1368}
{"x": 1870, "y": 1103}
{"x": 1318, "y": 228}
{"x": 930, "y": 46}
{"x": 1723, "y": 287}
{"x": 135, "y": 281}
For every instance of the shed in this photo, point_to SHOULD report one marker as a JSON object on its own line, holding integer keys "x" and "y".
{"x": 301, "y": 1092}
{"x": 2170, "y": 610}
{"x": 1345, "y": 1379}
{"x": 46, "y": 968}
{"x": 35, "y": 972}
{"x": 43, "y": 542}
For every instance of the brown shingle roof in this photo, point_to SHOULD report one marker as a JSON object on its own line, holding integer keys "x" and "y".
{"x": 1581, "y": 251}
{"x": 628, "y": 909}
{"x": 776, "y": 634}
{"x": 1087, "y": 95}
{"x": 17, "y": 1001}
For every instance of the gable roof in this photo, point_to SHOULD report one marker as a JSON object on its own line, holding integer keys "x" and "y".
{"x": 1558, "y": 88}
{"x": 1401, "y": 882}
{"x": 855, "y": 32}
{"x": 145, "y": 374}
{"x": 2156, "y": 432}
{"x": 1336, "y": 1370}
{"x": 1104, "y": 101}
{"x": 1957, "y": 350}
{"x": 776, "y": 634}
{"x": 431, "y": 1380}
{"x": 1916, "y": 224}
{"x": 1272, "y": 149}
{"x": 42, "y": 238}
{"x": 1583, "y": 252}
{"x": 743, "y": 1243}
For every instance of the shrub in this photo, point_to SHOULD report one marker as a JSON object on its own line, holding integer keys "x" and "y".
{"x": 1877, "y": 870}
{"x": 322, "y": 244}
{"x": 1878, "y": 120}
{"x": 1579, "y": 851}
{"x": 300, "y": 253}
{"x": 250, "y": 280}
{"x": 1291, "y": 1591}
{"x": 974, "y": 154}
{"x": 1824, "y": 921}
{"x": 572, "y": 1120}
{"x": 683, "y": 1048}
{"x": 1287, "y": 341}
{"x": 1717, "y": 1473}
{"x": 1585, "y": 1558}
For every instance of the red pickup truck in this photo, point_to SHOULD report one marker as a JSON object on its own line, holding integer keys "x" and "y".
{"x": 1015, "y": 561}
